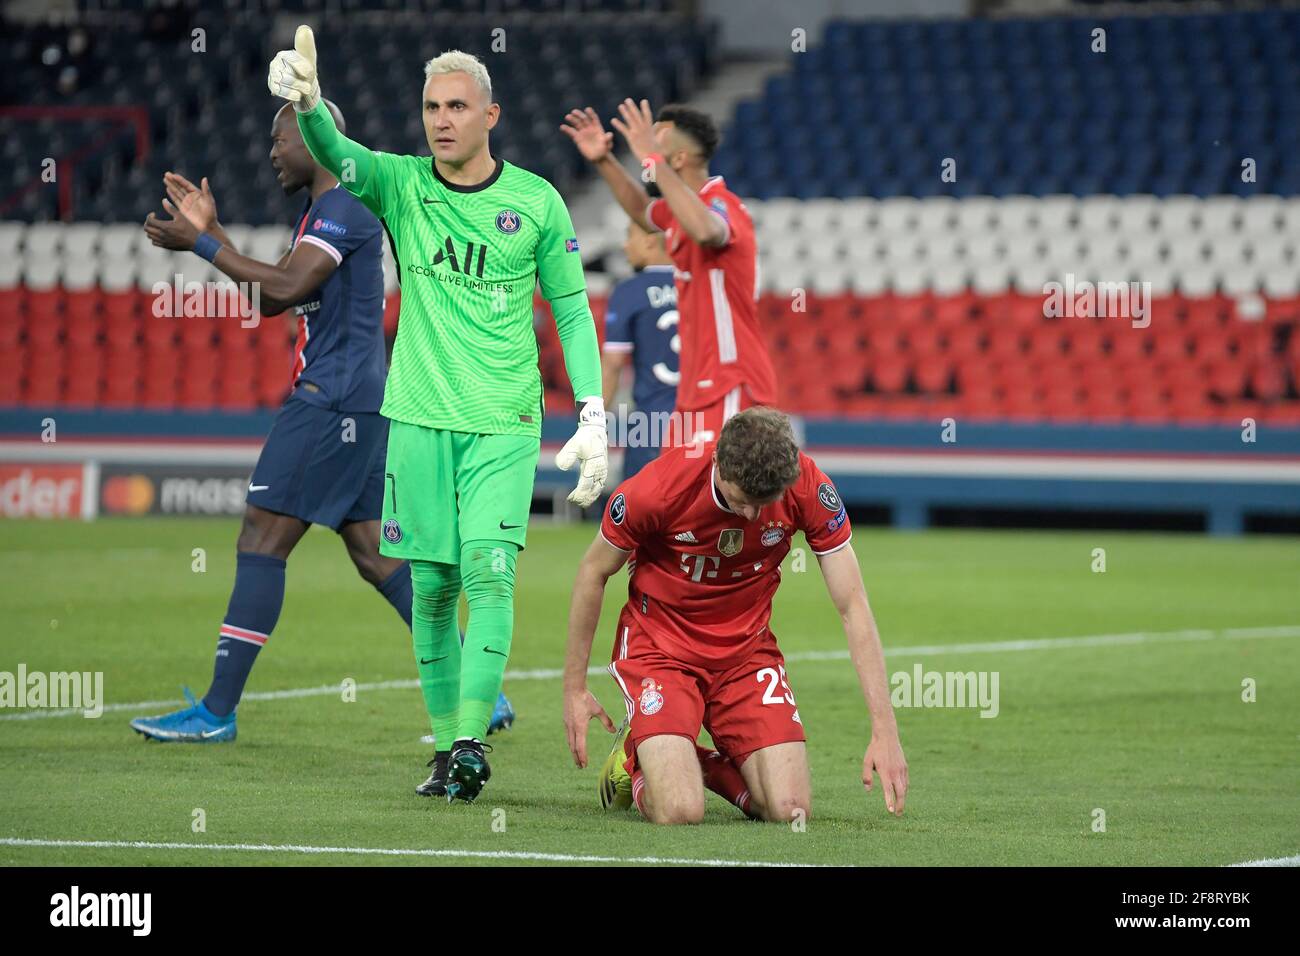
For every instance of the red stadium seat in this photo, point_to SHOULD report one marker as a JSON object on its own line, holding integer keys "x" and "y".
{"x": 120, "y": 393}
{"x": 964, "y": 341}
{"x": 44, "y": 329}
{"x": 923, "y": 340}
{"x": 889, "y": 373}
{"x": 122, "y": 305}
{"x": 1205, "y": 311}
{"x": 45, "y": 304}
{"x": 13, "y": 362}
{"x": 1006, "y": 342}
{"x": 1226, "y": 379}
{"x": 1127, "y": 343}
{"x": 933, "y": 373}
{"x": 1046, "y": 343}
{"x": 1170, "y": 344}
{"x": 83, "y": 305}
{"x": 11, "y": 331}
{"x": 83, "y": 391}
{"x": 1268, "y": 381}
{"x": 158, "y": 395}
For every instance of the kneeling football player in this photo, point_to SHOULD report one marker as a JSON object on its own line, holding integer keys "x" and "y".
{"x": 704, "y": 529}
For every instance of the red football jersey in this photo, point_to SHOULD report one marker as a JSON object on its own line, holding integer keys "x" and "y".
{"x": 701, "y": 577}
{"x": 717, "y": 288}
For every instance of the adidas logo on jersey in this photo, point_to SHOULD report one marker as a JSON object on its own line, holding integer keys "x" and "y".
{"x": 686, "y": 536}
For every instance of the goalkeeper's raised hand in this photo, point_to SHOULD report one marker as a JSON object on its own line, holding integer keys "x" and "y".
{"x": 292, "y": 75}
{"x": 590, "y": 446}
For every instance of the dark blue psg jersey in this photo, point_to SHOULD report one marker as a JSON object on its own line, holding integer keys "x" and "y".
{"x": 339, "y": 359}
{"x": 641, "y": 318}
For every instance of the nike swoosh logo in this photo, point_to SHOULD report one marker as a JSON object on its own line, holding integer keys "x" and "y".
{"x": 258, "y": 487}
{"x": 507, "y": 527}
{"x": 430, "y": 202}
{"x": 211, "y": 733}
{"x": 433, "y": 660}
{"x": 490, "y": 651}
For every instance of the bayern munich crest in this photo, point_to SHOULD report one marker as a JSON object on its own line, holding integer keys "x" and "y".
{"x": 651, "y": 700}
{"x": 392, "y": 531}
{"x": 508, "y": 221}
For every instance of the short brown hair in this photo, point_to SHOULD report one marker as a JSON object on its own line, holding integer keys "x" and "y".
{"x": 757, "y": 451}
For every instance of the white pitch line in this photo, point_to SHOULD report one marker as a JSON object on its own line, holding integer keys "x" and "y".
{"x": 918, "y": 650}
{"x": 387, "y": 851}
{"x": 1273, "y": 861}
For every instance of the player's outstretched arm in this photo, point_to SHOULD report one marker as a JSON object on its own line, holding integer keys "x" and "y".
{"x": 885, "y": 753}
{"x": 292, "y": 76}
{"x": 583, "y": 127}
{"x": 278, "y": 286}
{"x": 598, "y": 565}
{"x": 700, "y": 223}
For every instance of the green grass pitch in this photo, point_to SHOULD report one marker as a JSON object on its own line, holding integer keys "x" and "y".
{"x": 1152, "y": 731}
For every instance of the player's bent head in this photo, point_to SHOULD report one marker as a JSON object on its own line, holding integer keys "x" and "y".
{"x": 756, "y": 456}
{"x": 292, "y": 161}
{"x": 686, "y": 135}
{"x": 457, "y": 106}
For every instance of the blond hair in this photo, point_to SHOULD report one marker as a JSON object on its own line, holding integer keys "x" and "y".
{"x": 457, "y": 61}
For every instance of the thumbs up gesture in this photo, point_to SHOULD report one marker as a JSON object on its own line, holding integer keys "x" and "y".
{"x": 292, "y": 75}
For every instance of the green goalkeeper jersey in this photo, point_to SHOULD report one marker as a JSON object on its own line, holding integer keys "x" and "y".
{"x": 468, "y": 259}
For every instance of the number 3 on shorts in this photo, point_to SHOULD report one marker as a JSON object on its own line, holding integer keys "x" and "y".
{"x": 770, "y": 675}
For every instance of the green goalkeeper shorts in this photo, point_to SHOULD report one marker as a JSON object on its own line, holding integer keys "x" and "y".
{"x": 443, "y": 487}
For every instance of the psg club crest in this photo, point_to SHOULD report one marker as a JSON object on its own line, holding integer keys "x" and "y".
{"x": 731, "y": 541}
{"x": 392, "y": 531}
{"x": 827, "y": 496}
{"x": 508, "y": 221}
{"x": 651, "y": 700}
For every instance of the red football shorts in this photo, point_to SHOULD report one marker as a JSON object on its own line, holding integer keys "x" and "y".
{"x": 744, "y": 708}
{"x": 705, "y": 424}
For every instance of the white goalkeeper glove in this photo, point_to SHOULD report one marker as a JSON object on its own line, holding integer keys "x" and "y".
{"x": 292, "y": 75}
{"x": 589, "y": 445}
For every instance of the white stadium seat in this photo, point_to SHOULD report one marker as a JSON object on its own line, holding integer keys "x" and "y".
{"x": 1136, "y": 215}
{"x": 1099, "y": 214}
{"x": 1176, "y": 215}
{"x": 1055, "y": 214}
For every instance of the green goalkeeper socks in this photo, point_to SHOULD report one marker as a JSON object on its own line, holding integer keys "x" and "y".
{"x": 488, "y": 571}
{"x": 435, "y": 595}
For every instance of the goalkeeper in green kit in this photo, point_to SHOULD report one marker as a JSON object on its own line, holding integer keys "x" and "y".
{"x": 472, "y": 234}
